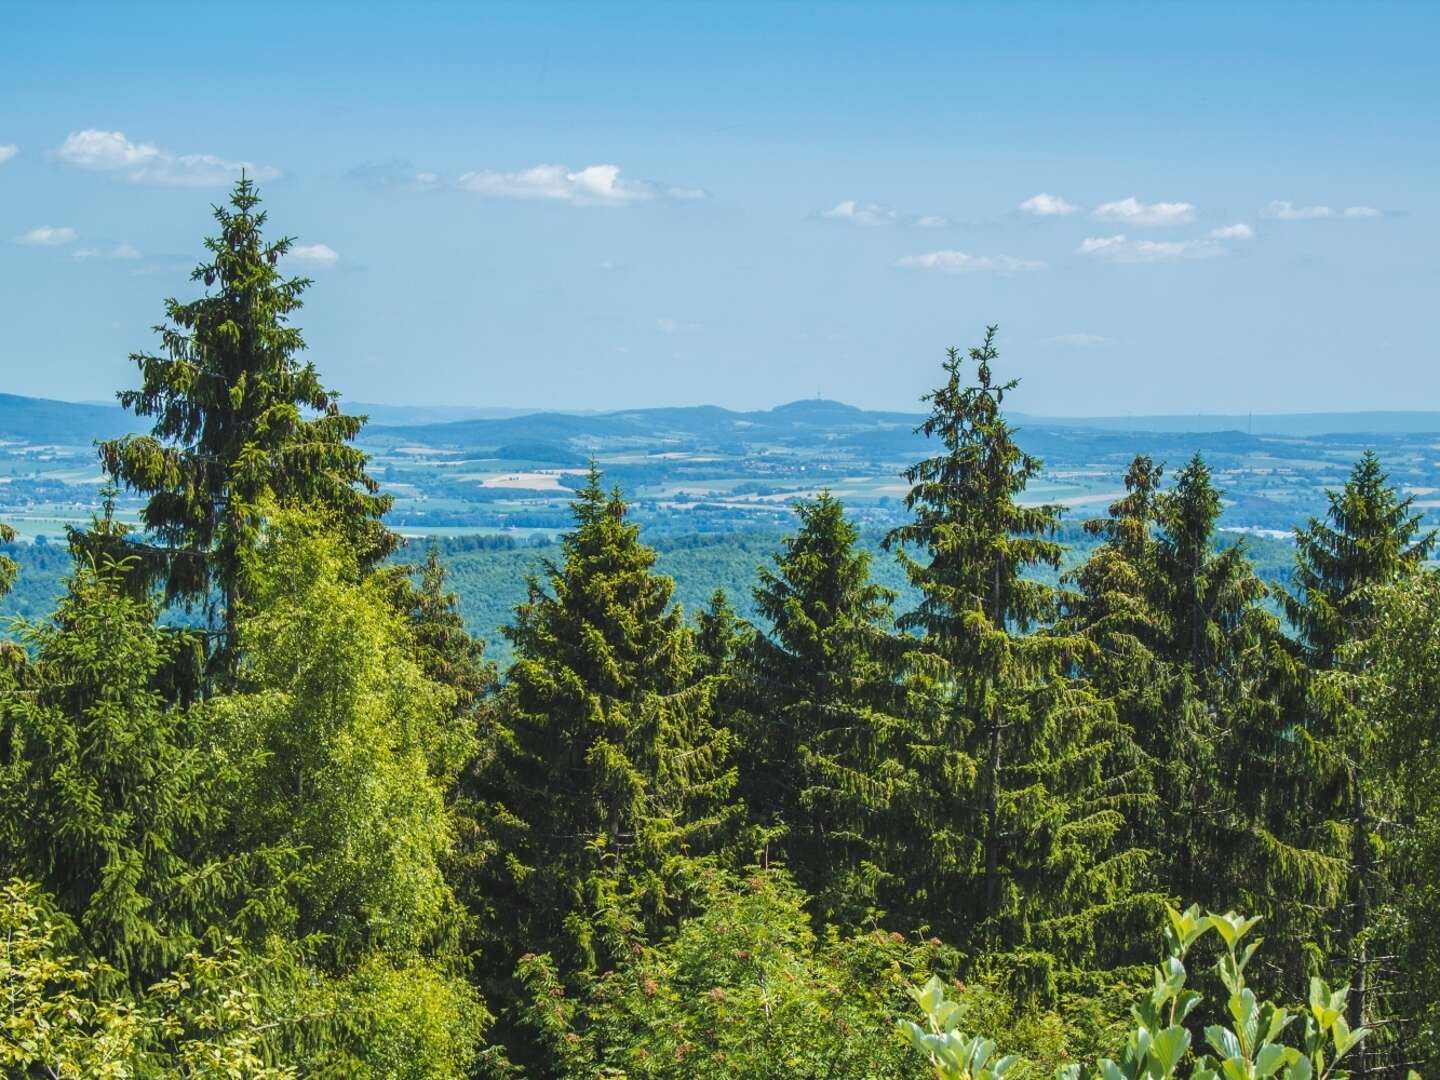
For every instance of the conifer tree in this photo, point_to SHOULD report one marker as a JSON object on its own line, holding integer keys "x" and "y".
{"x": 7, "y": 564}
{"x": 1369, "y": 538}
{"x": 1205, "y": 594}
{"x": 1202, "y": 675}
{"x": 611, "y": 774}
{"x": 823, "y": 757}
{"x": 1039, "y": 768}
{"x": 1113, "y": 601}
{"x": 238, "y": 419}
{"x": 720, "y": 635}
{"x": 1221, "y": 710}
{"x": 1394, "y": 672}
{"x": 110, "y": 798}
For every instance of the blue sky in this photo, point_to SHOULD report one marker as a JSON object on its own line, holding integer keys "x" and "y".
{"x": 607, "y": 205}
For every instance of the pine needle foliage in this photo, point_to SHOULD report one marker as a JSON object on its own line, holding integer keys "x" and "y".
{"x": 238, "y": 419}
{"x": 1034, "y": 774}
{"x": 1369, "y": 539}
{"x": 824, "y": 765}
{"x": 1369, "y": 536}
{"x": 111, "y": 798}
{"x": 611, "y": 775}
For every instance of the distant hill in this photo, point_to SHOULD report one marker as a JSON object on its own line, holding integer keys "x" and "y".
{"x": 41, "y": 420}
{"x": 809, "y": 421}
{"x": 1294, "y": 424}
{"x": 429, "y": 414}
{"x": 688, "y": 427}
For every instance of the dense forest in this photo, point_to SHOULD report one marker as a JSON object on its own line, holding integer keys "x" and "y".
{"x": 270, "y": 810}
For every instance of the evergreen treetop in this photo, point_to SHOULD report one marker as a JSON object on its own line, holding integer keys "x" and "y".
{"x": 825, "y": 750}
{"x": 1369, "y": 536}
{"x": 238, "y": 419}
{"x": 611, "y": 773}
{"x": 978, "y": 538}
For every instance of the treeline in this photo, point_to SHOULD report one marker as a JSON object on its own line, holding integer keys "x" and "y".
{"x": 317, "y": 833}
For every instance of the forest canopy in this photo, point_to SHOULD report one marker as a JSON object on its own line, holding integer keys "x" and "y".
{"x": 268, "y": 809}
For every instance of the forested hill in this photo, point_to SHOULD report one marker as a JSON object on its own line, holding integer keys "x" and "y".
{"x": 52, "y": 421}
{"x": 41, "y": 420}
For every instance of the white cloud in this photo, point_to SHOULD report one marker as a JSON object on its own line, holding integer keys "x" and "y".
{"x": 859, "y": 213}
{"x": 675, "y": 326}
{"x": 316, "y": 254}
{"x": 395, "y": 174}
{"x": 1080, "y": 341}
{"x": 1233, "y": 232}
{"x": 1132, "y": 211}
{"x": 8, "y": 151}
{"x": 1046, "y": 205}
{"x": 592, "y": 185}
{"x": 146, "y": 163}
{"x": 958, "y": 262}
{"x": 47, "y": 236}
{"x": 1361, "y": 212}
{"x": 1124, "y": 250}
{"x": 931, "y": 221}
{"x": 1285, "y": 210}
{"x": 119, "y": 251}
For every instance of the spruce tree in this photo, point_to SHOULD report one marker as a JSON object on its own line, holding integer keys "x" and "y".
{"x": 611, "y": 774}
{"x": 1036, "y": 772}
{"x": 1370, "y": 538}
{"x": 720, "y": 635}
{"x": 1201, "y": 673}
{"x": 824, "y": 752}
{"x": 238, "y": 418}
{"x": 111, "y": 796}
{"x": 7, "y": 564}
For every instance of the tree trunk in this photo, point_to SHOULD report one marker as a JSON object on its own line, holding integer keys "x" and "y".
{"x": 1359, "y": 918}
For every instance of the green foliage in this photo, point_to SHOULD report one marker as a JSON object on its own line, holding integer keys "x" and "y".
{"x": 356, "y": 744}
{"x": 1393, "y": 679}
{"x": 610, "y": 775}
{"x": 110, "y": 796}
{"x": 1369, "y": 536}
{"x": 210, "y": 1018}
{"x": 238, "y": 420}
{"x": 300, "y": 839}
{"x": 1200, "y": 671}
{"x": 1031, "y": 771}
{"x": 824, "y": 759}
{"x": 744, "y": 989}
{"x": 7, "y": 564}
{"x": 1159, "y": 1044}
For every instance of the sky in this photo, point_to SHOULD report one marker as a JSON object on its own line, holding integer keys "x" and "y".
{"x": 1166, "y": 208}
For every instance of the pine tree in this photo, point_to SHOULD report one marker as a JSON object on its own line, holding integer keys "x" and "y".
{"x": 1370, "y": 538}
{"x": 1112, "y": 602}
{"x": 7, "y": 564}
{"x": 237, "y": 419}
{"x": 823, "y": 761}
{"x": 720, "y": 635}
{"x": 611, "y": 774}
{"x": 10, "y": 655}
{"x": 1039, "y": 768}
{"x": 111, "y": 798}
{"x": 1220, "y": 713}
